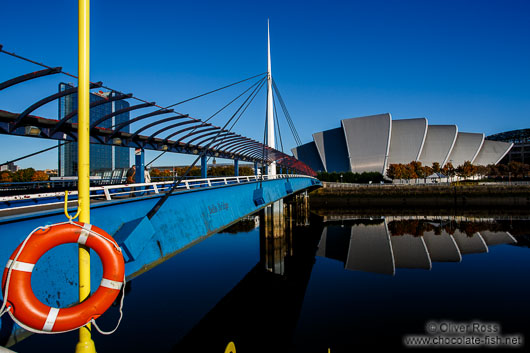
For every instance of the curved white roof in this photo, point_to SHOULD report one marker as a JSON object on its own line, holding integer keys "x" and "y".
{"x": 466, "y": 148}
{"x": 371, "y": 143}
{"x": 368, "y": 140}
{"x": 438, "y": 144}
{"x": 492, "y": 152}
{"x": 406, "y": 140}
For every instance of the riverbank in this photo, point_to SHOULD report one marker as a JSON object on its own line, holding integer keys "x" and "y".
{"x": 426, "y": 195}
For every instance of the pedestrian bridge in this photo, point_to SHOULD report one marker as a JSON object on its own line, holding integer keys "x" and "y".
{"x": 197, "y": 209}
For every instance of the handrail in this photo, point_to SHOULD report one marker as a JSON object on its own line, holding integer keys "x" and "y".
{"x": 121, "y": 190}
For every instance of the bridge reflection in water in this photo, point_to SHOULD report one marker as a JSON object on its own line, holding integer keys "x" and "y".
{"x": 262, "y": 312}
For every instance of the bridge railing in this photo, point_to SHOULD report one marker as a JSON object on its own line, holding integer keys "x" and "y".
{"x": 124, "y": 191}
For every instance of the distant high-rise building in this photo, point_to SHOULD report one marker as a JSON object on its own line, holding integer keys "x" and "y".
{"x": 101, "y": 157}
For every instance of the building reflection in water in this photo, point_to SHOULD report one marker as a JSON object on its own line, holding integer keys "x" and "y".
{"x": 369, "y": 245}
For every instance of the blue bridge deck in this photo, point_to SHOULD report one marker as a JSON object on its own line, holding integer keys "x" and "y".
{"x": 199, "y": 209}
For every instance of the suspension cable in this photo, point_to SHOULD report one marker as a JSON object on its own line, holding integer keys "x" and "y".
{"x": 168, "y": 193}
{"x": 35, "y": 153}
{"x": 215, "y": 90}
{"x": 111, "y": 89}
{"x": 286, "y": 114}
{"x": 154, "y": 159}
{"x": 253, "y": 95}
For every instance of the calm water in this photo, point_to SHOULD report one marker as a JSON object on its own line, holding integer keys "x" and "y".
{"x": 338, "y": 280}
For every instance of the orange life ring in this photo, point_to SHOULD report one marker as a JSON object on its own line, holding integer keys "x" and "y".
{"x": 25, "y": 308}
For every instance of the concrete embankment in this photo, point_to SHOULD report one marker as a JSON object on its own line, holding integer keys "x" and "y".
{"x": 355, "y": 195}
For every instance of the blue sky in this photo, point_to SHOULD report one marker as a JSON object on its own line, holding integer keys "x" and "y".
{"x": 451, "y": 61}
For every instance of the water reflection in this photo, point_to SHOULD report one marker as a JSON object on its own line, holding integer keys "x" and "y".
{"x": 322, "y": 281}
{"x": 260, "y": 314}
{"x": 382, "y": 245}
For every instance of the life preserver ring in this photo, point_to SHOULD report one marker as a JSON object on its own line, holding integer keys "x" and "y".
{"x": 26, "y": 309}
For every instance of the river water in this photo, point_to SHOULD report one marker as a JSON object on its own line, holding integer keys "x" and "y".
{"x": 343, "y": 280}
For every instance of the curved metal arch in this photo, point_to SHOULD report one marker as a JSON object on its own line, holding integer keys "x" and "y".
{"x": 246, "y": 148}
{"x": 177, "y": 117}
{"x": 259, "y": 156}
{"x": 194, "y": 132}
{"x": 230, "y": 141}
{"x": 73, "y": 113}
{"x": 226, "y": 140}
{"x": 208, "y": 139}
{"x": 121, "y": 111}
{"x": 118, "y": 128}
{"x": 172, "y": 126}
{"x": 216, "y": 129}
{"x": 238, "y": 147}
{"x": 48, "y": 99}
{"x": 187, "y": 129}
{"x": 30, "y": 76}
{"x": 233, "y": 142}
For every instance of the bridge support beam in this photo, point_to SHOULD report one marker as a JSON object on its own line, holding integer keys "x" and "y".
{"x": 255, "y": 168}
{"x": 236, "y": 167}
{"x": 204, "y": 167}
{"x": 139, "y": 161}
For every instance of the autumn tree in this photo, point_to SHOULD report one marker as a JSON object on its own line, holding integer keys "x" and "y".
{"x": 6, "y": 176}
{"x": 436, "y": 167}
{"x": 448, "y": 169}
{"x": 40, "y": 175}
{"x": 465, "y": 170}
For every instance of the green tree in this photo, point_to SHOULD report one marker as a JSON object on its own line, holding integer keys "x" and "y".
{"x": 23, "y": 175}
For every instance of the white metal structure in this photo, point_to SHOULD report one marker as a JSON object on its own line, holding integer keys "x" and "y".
{"x": 368, "y": 141}
{"x": 270, "y": 106}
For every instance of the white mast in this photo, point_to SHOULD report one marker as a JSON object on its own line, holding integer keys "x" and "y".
{"x": 270, "y": 107}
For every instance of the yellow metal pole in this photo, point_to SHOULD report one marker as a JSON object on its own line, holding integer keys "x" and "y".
{"x": 85, "y": 344}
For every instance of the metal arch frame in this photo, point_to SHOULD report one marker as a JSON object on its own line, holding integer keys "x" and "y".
{"x": 121, "y": 111}
{"x": 240, "y": 147}
{"x": 92, "y": 105}
{"x": 251, "y": 155}
{"x": 229, "y": 144}
{"x": 145, "y": 127}
{"x": 258, "y": 155}
{"x": 247, "y": 148}
{"x": 231, "y": 141}
{"x": 48, "y": 99}
{"x": 224, "y": 134}
{"x": 215, "y": 129}
{"x": 194, "y": 132}
{"x": 138, "y": 118}
{"x": 169, "y": 127}
{"x": 29, "y": 76}
{"x": 186, "y": 129}
{"x": 172, "y": 126}
{"x": 224, "y": 141}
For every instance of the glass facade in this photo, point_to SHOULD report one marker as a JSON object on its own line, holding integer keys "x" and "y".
{"x": 101, "y": 157}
